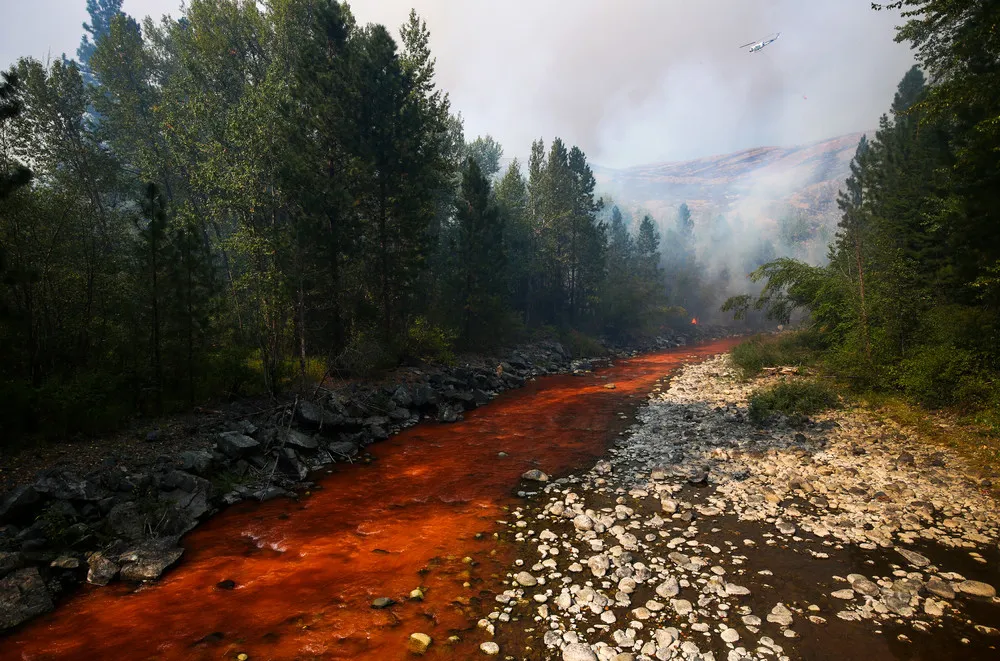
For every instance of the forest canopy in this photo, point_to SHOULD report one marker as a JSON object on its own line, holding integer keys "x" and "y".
{"x": 215, "y": 203}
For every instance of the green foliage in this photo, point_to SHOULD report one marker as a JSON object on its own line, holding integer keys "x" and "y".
{"x": 784, "y": 350}
{"x": 486, "y": 152}
{"x": 221, "y": 198}
{"x": 580, "y": 345}
{"x": 633, "y": 295}
{"x": 943, "y": 375}
{"x": 791, "y": 398}
{"x": 480, "y": 260}
{"x": 364, "y": 354}
{"x": 426, "y": 341}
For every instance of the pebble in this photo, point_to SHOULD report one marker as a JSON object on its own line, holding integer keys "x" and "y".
{"x": 525, "y": 579}
{"x": 780, "y": 615}
{"x": 578, "y": 652}
{"x": 977, "y": 589}
{"x": 489, "y": 648}
{"x": 914, "y": 558}
{"x": 419, "y": 642}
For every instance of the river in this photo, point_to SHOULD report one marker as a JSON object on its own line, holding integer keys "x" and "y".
{"x": 304, "y": 573}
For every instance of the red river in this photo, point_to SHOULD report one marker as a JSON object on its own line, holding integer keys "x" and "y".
{"x": 306, "y": 572}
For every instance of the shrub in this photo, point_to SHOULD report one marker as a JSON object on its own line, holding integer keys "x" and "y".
{"x": 582, "y": 346}
{"x": 787, "y": 349}
{"x": 90, "y": 402}
{"x": 791, "y": 398}
{"x": 364, "y": 354}
{"x": 427, "y": 341}
{"x": 942, "y": 375}
{"x": 229, "y": 371}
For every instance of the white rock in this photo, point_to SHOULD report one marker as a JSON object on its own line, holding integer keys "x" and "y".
{"x": 578, "y": 652}
{"x": 525, "y": 579}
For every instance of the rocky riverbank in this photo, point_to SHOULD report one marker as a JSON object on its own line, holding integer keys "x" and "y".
{"x": 703, "y": 536}
{"x": 124, "y": 519}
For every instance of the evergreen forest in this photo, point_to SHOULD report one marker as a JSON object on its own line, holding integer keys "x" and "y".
{"x": 223, "y": 203}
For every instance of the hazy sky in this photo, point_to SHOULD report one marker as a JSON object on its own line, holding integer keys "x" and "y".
{"x": 629, "y": 81}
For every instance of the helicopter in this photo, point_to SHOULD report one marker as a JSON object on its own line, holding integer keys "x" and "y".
{"x": 757, "y": 45}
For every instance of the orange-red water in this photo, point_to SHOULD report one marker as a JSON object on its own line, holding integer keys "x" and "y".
{"x": 306, "y": 572}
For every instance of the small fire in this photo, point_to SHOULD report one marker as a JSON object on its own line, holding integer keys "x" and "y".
{"x": 694, "y": 321}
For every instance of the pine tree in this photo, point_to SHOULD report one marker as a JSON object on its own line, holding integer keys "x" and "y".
{"x": 519, "y": 237}
{"x": 619, "y": 304}
{"x": 481, "y": 258}
{"x": 102, "y": 13}
{"x": 151, "y": 256}
{"x": 587, "y": 238}
{"x": 851, "y": 237}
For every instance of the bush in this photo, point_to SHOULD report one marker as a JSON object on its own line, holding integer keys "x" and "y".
{"x": 791, "y": 398}
{"x": 582, "y": 346}
{"x": 426, "y": 341}
{"x": 364, "y": 354}
{"x": 229, "y": 371}
{"x": 91, "y": 403}
{"x": 788, "y": 349}
{"x": 942, "y": 375}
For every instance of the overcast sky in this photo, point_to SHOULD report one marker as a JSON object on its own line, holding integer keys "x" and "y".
{"x": 629, "y": 81}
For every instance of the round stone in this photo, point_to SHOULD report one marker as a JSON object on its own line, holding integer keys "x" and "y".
{"x": 490, "y": 648}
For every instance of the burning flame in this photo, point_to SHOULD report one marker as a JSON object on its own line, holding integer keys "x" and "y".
{"x": 694, "y": 321}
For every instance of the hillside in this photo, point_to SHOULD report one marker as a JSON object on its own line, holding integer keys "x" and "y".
{"x": 757, "y": 183}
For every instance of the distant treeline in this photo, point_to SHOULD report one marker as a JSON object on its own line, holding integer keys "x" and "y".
{"x": 218, "y": 203}
{"x": 910, "y": 299}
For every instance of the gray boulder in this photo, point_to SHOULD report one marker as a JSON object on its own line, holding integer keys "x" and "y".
{"x": 102, "y": 570}
{"x": 196, "y": 461}
{"x": 270, "y": 493}
{"x": 10, "y": 562}
{"x": 184, "y": 481}
{"x": 289, "y": 464}
{"x": 126, "y": 521}
{"x": 295, "y": 439}
{"x": 447, "y": 413}
{"x": 67, "y": 486}
{"x": 399, "y": 414}
{"x": 191, "y": 499}
{"x": 401, "y": 396}
{"x": 234, "y": 444}
{"x": 424, "y": 395}
{"x": 148, "y": 561}
{"x": 315, "y": 417}
{"x": 578, "y": 652}
{"x": 23, "y": 595}
{"x": 19, "y": 501}
{"x": 342, "y": 449}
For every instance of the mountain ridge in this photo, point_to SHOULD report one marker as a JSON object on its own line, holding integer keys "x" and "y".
{"x": 760, "y": 183}
{"x": 763, "y": 181}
